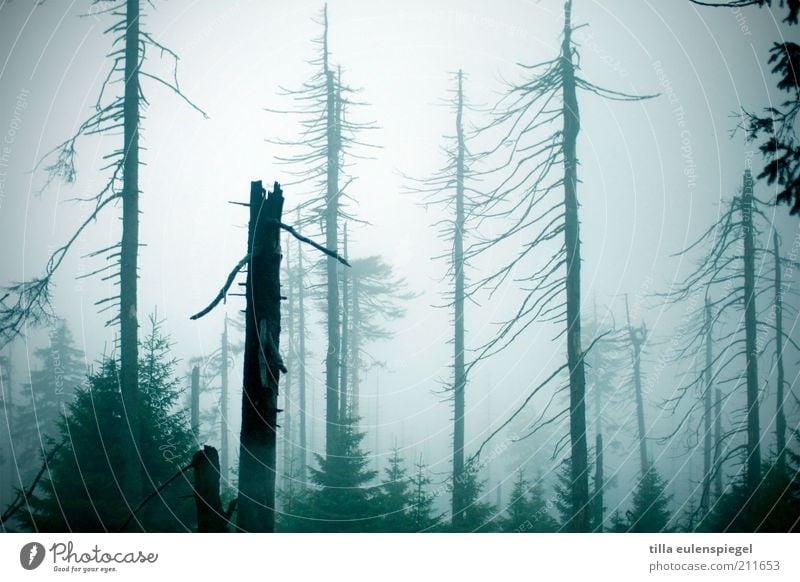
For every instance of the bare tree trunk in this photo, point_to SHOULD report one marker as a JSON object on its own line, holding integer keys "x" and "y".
{"x": 705, "y": 497}
{"x": 345, "y": 334}
{"x": 355, "y": 348}
{"x": 129, "y": 255}
{"x": 780, "y": 415}
{"x": 262, "y": 363}
{"x": 718, "y": 444}
{"x": 460, "y": 379}
{"x": 10, "y": 414}
{"x": 195, "y": 403}
{"x": 753, "y": 422}
{"x": 210, "y": 515}
{"x": 301, "y": 369}
{"x": 288, "y": 414}
{"x": 332, "y": 243}
{"x": 577, "y": 373}
{"x": 636, "y": 337}
{"x": 223, "y": 406}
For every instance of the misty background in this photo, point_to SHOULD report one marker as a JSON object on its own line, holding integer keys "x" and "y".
{"x": 653, "y": 174}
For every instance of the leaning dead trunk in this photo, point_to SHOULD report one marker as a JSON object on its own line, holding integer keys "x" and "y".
{"x": 577, "y": 376}
{"x": 753, "y": 422}
{"x": 128, "y": 261}
{"x": 262, "y": 363}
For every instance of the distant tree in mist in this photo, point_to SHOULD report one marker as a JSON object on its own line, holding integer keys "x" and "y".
{"x": 45, "y": 400}
{"x": 376, "y": 297}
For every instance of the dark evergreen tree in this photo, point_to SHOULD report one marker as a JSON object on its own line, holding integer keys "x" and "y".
{"x": 344, "y": 499}
{"x": 774, "y": 507}
{"x": 649, "y": 513}
{"x": 527, "y": 512}
{"x": 478, "y": 514}
{"x": 82, "y": 489}
{"x": 423, "y": 517}
{"x": 395, "y": 496}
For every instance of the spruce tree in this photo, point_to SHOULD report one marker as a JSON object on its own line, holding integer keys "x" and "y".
{"x": 477, "y": 514}
{"x": 423, "y": 517}
{"x": 527, "y": 512}
{"x": 649, "y": 513}
{"x": 82, "y": 489}
{"x": 344, "y": 499}
{"x": 395, "y": 496}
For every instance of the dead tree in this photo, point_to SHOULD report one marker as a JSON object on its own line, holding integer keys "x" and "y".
{"x": 708, "y": 411}
{"x": 29, "y": 302}
{"x": 780, "y": 397}
{"x": 726, "y": 277}
{"x": 751, "y": 349}
{"x": 263, "y": 363}
{"x": 211, "y": 518}
{"x": 195, "y": 403}
{"x": 223, "y": 404}
{"x": 319, "y": 161}
{"x": 636, "y": 338}
{"x": 450, "y": 188}
{"x": 535, "y": 128}
{"x": 344, "y": 348}
{"x": 301, "y": 361}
